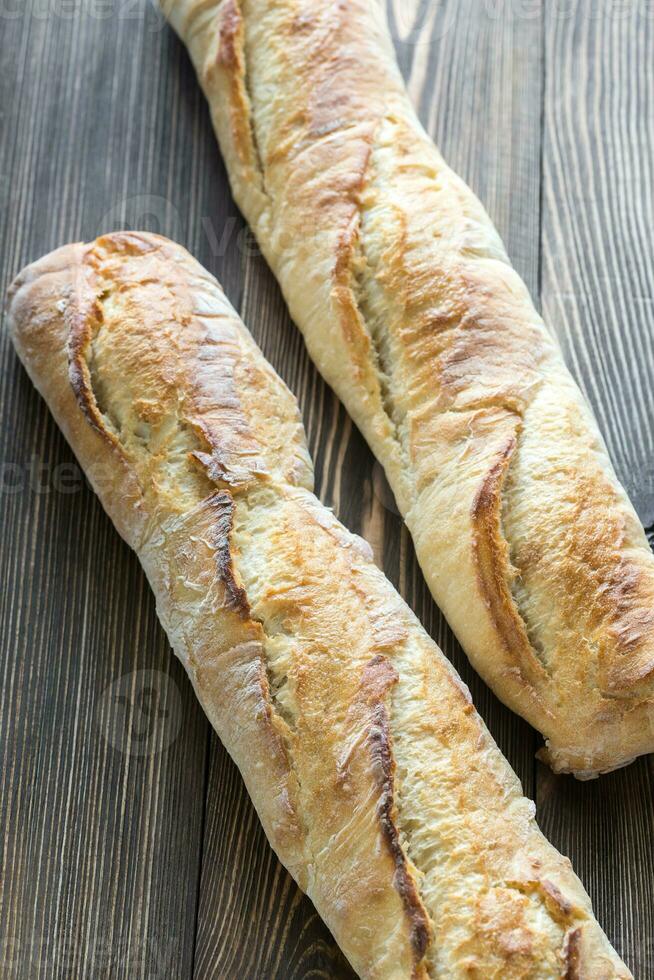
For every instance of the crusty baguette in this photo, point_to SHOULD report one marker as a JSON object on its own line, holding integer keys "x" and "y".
{"x": 412, "y": 312}
{"x": 376, "y": 781}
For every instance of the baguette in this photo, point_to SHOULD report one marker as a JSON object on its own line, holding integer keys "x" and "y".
{"x": 411, "y": 311}
{"x": 376, "y": 781}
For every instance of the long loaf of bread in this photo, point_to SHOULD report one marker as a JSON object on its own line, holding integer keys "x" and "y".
{"x": 412, "y": 312}
{"x": 376, "y": 781}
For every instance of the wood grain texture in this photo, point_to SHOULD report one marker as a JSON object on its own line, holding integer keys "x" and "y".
{"x": 151, "y": 862}
{"x": 101, "y": 834}
{"x": 598, "y": 295}
{"x": 598, "y": 222}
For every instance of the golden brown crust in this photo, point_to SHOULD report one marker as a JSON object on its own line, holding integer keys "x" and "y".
{"x": 230, "y": 58}
{"x": 374, "y": 778}
{"x": 491, "y": 559}
{"x": 410, "y": 309}
{"x": 222, "y": 505}
{"x": 83, "y": 323}
{"x": 572, "y": 955}
{"x": 377, "y": 679}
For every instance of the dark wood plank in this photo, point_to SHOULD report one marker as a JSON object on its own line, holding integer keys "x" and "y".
{"x": 598, "y": 223}
{"x": 107, "y": 128}
{"x": 464, "y": 70}
{"x": 101, "y": 834}
{"x": 597, "y": 275}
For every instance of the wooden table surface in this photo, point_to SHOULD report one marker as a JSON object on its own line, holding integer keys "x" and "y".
{"x": 130, "y": 847}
